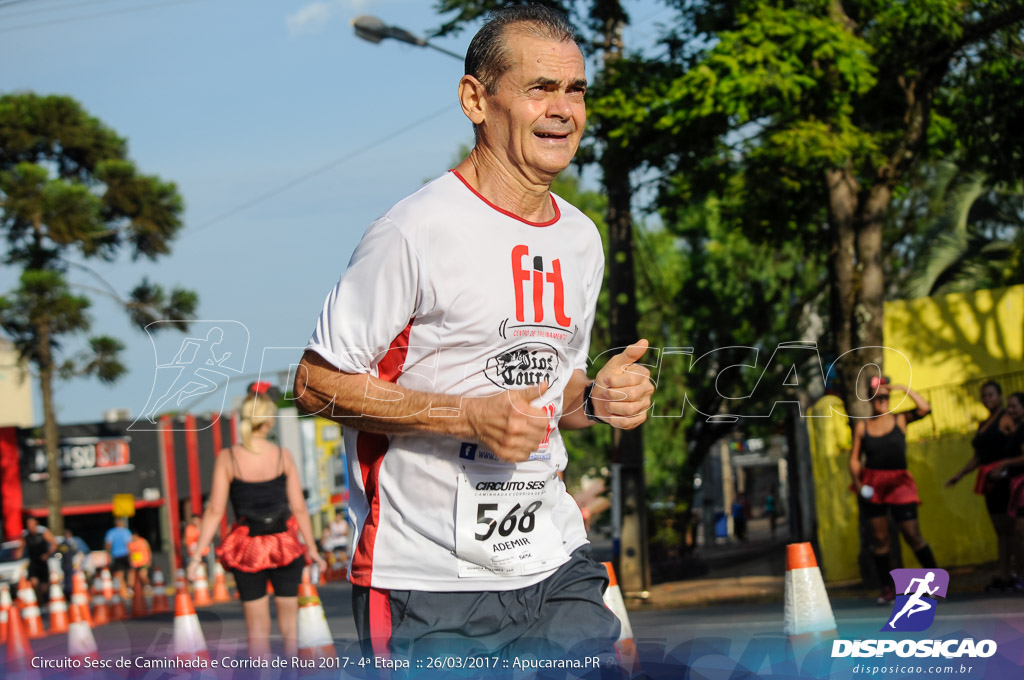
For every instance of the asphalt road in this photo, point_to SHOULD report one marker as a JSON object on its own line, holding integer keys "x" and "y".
{"x": 724, "y": 632}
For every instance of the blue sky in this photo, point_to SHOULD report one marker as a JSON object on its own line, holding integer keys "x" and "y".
{"x": 233, "y": 101}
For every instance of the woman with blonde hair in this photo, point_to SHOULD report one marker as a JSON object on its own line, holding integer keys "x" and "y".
{"x": 263, "y": 545}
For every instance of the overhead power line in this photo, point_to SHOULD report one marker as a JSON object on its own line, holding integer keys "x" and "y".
{"x": 96, "y": 15}
{"x": 51, "y": 6}
{"x": 317, "y": 171}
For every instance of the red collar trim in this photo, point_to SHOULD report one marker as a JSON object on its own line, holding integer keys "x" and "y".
{"x": 558, "y": 213}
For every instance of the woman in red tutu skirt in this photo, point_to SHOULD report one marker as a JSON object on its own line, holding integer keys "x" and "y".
{"x": 1012, "y": 469}
{"x": 260, "y": 480}
{"x": 884, "y": 486}
{"x": 991, "y": 446}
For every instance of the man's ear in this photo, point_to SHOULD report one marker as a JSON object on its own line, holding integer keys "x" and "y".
{"x": 473, "y": 98}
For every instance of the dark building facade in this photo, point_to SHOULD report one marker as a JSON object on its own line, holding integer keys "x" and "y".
{"x": 168, "y": 469}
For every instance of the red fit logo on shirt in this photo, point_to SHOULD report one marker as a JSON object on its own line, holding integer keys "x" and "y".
{"x": 540, "y": 279}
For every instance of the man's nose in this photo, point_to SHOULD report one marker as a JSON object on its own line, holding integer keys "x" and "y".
{"x": 559, "y": 106}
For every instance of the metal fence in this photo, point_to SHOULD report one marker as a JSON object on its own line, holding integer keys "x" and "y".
{"x": 957, "y": 408}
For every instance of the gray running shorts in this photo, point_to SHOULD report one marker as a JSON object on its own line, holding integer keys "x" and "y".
{"x": 563, "y": 616}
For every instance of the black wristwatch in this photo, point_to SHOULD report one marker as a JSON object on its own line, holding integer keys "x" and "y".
{"x": 588, "y": 405}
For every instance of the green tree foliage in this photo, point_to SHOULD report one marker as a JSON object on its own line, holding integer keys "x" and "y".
{"x": 702, "y": 281}
{"x": 816, "y": 114}
{"x": 69, "y": 194}
{"x": 963, "y": 233}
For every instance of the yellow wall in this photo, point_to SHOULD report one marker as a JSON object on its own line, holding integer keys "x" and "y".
{"x": 946, "y": 341}
{"x": 954, "y": 338}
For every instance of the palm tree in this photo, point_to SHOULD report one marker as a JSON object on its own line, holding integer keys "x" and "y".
{"x": 972, "y": 234}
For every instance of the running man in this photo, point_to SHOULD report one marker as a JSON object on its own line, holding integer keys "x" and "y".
{"x": 915, "y": 604}
{"x": 454, "y": 348}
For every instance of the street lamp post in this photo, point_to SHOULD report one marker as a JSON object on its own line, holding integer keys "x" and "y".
{"x": 374, "y": 30}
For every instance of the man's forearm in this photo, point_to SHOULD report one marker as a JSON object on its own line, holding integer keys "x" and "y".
{"x": 370, "y": 404}
{"x": 573, "y": 416}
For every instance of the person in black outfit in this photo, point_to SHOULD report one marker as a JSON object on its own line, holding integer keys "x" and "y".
{"x": 263, "y": 486}
{"x": 883, "y": 484}
{"x": 992, "y": 445}
{"x": 37, "y": 545}
{"x": 1012, "y": 469}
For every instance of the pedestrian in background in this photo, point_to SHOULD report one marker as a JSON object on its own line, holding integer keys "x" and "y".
{"x": 37, "y": 545}
{"x": 261, "y": 482}
{"x": 884, "y": 486}
{"x": 1012, "y": 468}
{"x": 140, "y": 557}
{"x": 74, "y": 553}
{"x": 991, "y": 445}
{"x": 739, "y": 518}
{"x": 771, "y": 509}
{"x": 116, "y": 542}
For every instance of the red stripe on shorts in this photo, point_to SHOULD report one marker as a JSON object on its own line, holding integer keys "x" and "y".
{"x": 380, "y": 621}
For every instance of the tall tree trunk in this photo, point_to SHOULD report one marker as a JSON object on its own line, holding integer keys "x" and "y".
{"x": 54, "y": 491}
{"x": 627, "y": 446}
{"x": 869, "y": 314}
{"x": 843, "y": 211}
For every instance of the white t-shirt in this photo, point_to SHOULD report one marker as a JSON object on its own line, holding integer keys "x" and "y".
{"x": 447, "y": 293}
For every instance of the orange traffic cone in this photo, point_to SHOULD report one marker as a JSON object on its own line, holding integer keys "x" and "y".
{"x": 625, "y": 646}
{"x": 139, "y": 606}
{"x": 314, "y": 636}
{"x": 100, "y": 608}
{"x": 58, "y": 605}
{"x": 189, "y": 642}
{"x": 81, "y": 642}
{"x": 5, "y": 607}
{"x": 107, "y": 585}
{"x": 117, "y": 612}
{"x": 201, "y": 588}
{"x": 808, "y": 614}
{"x": 19, "y": 651}
{"x": 30, "y": 614}
{"x": 80, "y": 595}
{"x": 220, "y": 587}
{"x": 159, "y": 592}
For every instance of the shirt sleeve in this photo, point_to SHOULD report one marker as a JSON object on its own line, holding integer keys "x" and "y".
{"x": 375, "y": 299}
{"x": 593, "y": 293}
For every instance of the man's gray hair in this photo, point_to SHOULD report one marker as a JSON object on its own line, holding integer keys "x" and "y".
{"x": 488, "y": 56}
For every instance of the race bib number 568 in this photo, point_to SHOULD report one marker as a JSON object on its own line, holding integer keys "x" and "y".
{"x": 504, "y": 526}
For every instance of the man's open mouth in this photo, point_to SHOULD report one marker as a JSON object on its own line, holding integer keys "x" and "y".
{"x": 552, "y": 135}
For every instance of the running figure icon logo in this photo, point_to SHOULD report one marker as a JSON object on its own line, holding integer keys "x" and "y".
{"x": 914, "y": 610}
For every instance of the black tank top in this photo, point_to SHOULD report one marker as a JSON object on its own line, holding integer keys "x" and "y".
{"x": 887, "y": 452}
{"x": 35, "y": 545}
{"x": 992, "y": 444}
{"x": 260, "y": 501}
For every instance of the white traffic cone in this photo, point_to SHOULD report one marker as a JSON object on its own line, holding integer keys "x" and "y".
{"x": 80, "y": 594}
{"x": 189, "y": 642}
{"x": 5, "y": 606}
{"x": 58, "y": 605}
{"x": 100, "y": 607}
{"x": 314, "y": 636}
{"x": 808, "y": 614}
{"x": 81, "y": 642}
{"x": 625, "y": 646}
{"x": 30, "y": 614}
{"x": 201, "y": 589}
{"x": 159, "y": 592}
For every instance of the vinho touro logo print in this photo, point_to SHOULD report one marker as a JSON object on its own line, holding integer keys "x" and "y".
{"x": 914, "y": 609}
